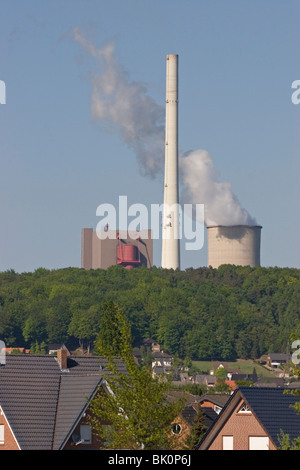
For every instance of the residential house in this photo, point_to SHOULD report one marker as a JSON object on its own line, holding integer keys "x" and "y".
{"x": 276, "y": 360}
{"x": 236, "y": 376}
{"x": 252, "y": 419}
{"x": 184, "y": 423}
{"x": 216, "y": 401}
{"x": 52, "y": 348}
{"x": 44, "y": 401}
{"x": 161, "y": 363}
{"x": 209, "y": 380}
{"x": 15, "y": 350}
{"x": 270, "y": 382}
{"x": 149, "y": 343}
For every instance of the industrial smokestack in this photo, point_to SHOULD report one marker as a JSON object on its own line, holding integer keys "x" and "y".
{"x": 237, "y": 244}
{"x": 170, "y": 225}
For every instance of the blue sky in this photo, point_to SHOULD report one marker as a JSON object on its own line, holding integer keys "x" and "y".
{"x": 237, "y": 61}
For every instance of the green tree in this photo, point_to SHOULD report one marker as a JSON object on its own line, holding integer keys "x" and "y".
{"x": 34, "y": 328}
{"x": 84, "y": 325}
{"x": 109, "y": 337}
{"x": 286, "y": 443}
{"x": 197, "y": 431}
{"x": 284, "y": 439}
{"x": 135, "y": 413}
{"x": 221, "y": 385}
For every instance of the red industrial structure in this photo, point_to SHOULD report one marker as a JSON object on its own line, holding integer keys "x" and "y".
{"x": 105, "y": 248}
{"x": 128, "y": 255}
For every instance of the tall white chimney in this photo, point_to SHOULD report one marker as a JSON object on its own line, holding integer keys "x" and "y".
{"x": 170, "y": 225}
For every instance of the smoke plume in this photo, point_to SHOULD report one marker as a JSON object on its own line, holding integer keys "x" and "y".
{"x": 124, "y": 106}
{"x": 200, "y": 185}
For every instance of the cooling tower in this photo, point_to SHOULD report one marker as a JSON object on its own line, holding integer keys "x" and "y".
{"x": 170, "y": 225}
{"x": 237, "y": 244}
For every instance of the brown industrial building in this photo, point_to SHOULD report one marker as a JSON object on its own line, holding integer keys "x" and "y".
{"x": 105, "y": 248}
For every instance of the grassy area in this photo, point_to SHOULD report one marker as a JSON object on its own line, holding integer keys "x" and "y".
{"x": 245, "y": 366}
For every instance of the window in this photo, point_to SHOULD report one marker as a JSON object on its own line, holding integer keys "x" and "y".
{"x": 227, "y": 442}
{"x": 176, "y": 428}
{"x": 258, "y": 443}
{"x": 1, "y": 433}
{"x": 217, "y": 409}
{"x": 244, "y": 408}
{"x": 86, "y": 434}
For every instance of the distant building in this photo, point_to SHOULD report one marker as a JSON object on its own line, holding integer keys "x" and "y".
{"x": 275, "y": 360}
{"x": 105, "y": 248}
{"x": 16, "y": 350}
{"x": 52, "y": 348}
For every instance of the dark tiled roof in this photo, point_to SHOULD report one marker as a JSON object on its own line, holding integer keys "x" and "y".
{"x": 219, "y": 399}
{"x": 28, "y": 398}
{"x": 270, "y": 382}
{"x": 280, "y": 357}
{"x": 209, "y": 415}
{"x": 250, "y": 377}
{"x": 41, "y": 402}
{"x": 271, "y": 406}
{"x": 72, "y": 403}
{"x": 189, "y": 414}
{"x": 274, "y": 410}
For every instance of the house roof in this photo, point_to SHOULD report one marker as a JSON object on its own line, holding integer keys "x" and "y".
{"x": 41, "y": 402}
{"x": 190, "y": 412}
{"x": 55, "y": 347}
{"x": 219, "y": 399}
{"x": 271, "y": 406}
{"x": 161, "y": 355}
{"x": 279, "y": 357}
{"x": 72, "y": 403}
{"x": 270, "y": 382}
{"x": 250, "y": 377}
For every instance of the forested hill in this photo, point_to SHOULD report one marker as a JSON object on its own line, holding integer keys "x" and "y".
{"x": 198, "y": 313}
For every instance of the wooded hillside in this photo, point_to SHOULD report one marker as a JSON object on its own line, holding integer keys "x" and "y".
{"x": 202, "y": 313}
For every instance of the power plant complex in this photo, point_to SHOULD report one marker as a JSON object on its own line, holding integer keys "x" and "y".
{"x": 226, "y": 244}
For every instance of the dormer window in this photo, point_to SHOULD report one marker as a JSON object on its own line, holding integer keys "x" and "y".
{"x": 217, "y": 409}
{"x": 244, "y": 409}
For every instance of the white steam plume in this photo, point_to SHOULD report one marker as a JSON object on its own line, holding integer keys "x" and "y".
{"x": 124, "y": 105}
{"x": 200, "y": 184}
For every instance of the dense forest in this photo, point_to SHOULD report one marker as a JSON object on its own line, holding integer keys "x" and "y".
{"x": 203, "y": 313}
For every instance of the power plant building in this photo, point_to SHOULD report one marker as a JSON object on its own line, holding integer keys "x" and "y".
{"x": 105, "y": 248}
{"x": 238, "y": 245}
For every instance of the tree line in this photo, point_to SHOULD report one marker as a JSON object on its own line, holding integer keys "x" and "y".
{"x": 202, "y": 313}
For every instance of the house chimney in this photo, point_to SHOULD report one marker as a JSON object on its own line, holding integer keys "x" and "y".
{"x": 2, "y": 353}
{"x": 62, "y": 356}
